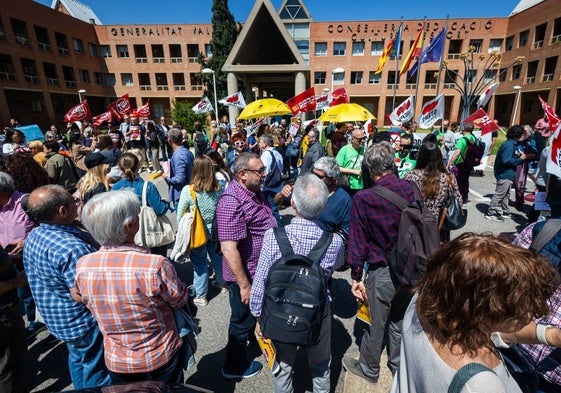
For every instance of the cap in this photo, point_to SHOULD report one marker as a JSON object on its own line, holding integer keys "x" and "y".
{"x": 95, "y": 159}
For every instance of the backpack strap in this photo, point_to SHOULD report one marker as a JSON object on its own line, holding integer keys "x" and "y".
{"x": 464, "y": 374}
{"x": 548, "y": 232}
{"x": 315, "y": 253}
{"x": 283, "y": 242}
{"x": 395, "y": 199}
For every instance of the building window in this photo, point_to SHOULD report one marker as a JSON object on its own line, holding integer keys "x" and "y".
{"x": 192, "y": 52}
{"x": 2, "y": 31}
{"x": 208, "y": 51}
{"x": 62, "y": 44}
{"x": 93, "y": 49}
{"x": 175, "y": 53}
{"x": 110, "y": 79}
{"x": 7, "y": 68}
{"x": 489, "y": 76}
{"x": 495, "y": 45}
{"x": 78, "y": 45}
{"x": 377, "y": 48}
{"x": 105, "y": 51}
{"x": 42, "y": 38}
{"x": 50, "y": 74}
{"x": 339, "y": 48}
{"x": 531, "y": 72}
{"x": 502, "y": 75}
{"x": 338, "y": 78}
{"x": 373, "y": 78}
{"x": 84, "y": 76}
{"x": 29, "y": 70}
{"x": 303, "y": 46}
{"x": 195, "y": 82}
{"x": 178, "y": 81}
{"x": 516, "y": 71}
{"x": 549, "y": 69}
{"x": 69, "y": 78}
{"x": 140, "y": 53}
{"x": 144, "y": 81}
{"x": 319, "y": 77}
{"x": 98, "y": 78}
{"x": 450, "y": 79}
{"x": 36, "y": 106}
{"x": 476, "y": 45}
{"x": 356, "y": 77}
{"x": 454, "y": 49}
{"x": 556, "y": 36}
{"x": 523, "y": 39}
{"x": 158, "y": 53}
{"x": 123, "y": 51}
{"x": 358, "y": 48}
{"x": 320, "y": 49}
{"x": 161, "y": 81}
{"x": 539, "y": 35}
{"x": 19, "y": 29}
{"x": 509, "y": 42}
{"x": 126, "y": 80}
{"x": 392, "y": 80}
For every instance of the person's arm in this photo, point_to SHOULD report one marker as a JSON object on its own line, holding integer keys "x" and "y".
{"x": 530, "y": 334}
{"x": 173, "y": 291}
{"x": 454, "y": 157}
{"x": 155, "y": 201}
{"x": 180, "y": 171}
{"x": 234, "y": 261}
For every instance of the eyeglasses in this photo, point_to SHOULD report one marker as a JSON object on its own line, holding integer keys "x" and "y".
{"x": 73, "y": 200}
{"x": 359, "y": 139}
{"x": 260, "y": 171}
{"x": 239, "y": 143}
{"x": 406, "y": 146}
{"x": 320, "y": 176}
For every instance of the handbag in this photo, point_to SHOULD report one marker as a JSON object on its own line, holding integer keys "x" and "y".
{"x": 153, "y": 230}
{"x": 198, "y": 228}
{"x": 180, "y": 250}
{"x": 452, "y": 217}
{"x": 343, "y": 180}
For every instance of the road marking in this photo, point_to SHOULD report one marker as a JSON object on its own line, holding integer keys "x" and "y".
{"x": 479, "y": 196}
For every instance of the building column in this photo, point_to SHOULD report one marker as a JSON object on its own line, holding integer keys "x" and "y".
{"x": 232, "y": 85}
{"x": 299, "y": 87}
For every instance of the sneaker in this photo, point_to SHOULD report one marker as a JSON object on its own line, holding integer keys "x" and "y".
{"x": 34, "y": 328}
{"x": 253, "y": 369}
{"x": 494, "y": 217}
{"x": 221, "y": 288}
{"x": 505, "y": 215}
{"x": 353, "y": 366}
{"x": 200, "y": 301}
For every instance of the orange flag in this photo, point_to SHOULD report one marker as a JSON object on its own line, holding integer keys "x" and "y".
{"x": 413, "y": 52}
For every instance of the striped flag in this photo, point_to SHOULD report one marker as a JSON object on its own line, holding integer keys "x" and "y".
{"x": 391, "y": 49}
{"x": 414, "y": 51}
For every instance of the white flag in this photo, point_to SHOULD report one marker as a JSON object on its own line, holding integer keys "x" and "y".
{"x": 203, "y": 106}
{"x": 322, "y": 102}
{"x": 432, "y": 111}
{"x": 403, "y": 112}
{"x": 235, "y": 99}
{"x": 486, "y": 95}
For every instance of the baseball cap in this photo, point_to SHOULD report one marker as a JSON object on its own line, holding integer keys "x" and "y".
{"x": 95, "y": 159}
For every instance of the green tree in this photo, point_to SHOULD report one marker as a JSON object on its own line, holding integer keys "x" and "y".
{"x": 183, "y": 114}
{"x": 224, "y": 34}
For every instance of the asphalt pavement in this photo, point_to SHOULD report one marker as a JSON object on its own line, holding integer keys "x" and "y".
{"x": 47, "y": 370}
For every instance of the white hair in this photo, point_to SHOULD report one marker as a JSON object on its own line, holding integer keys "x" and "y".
{"x": 309, "y": 195}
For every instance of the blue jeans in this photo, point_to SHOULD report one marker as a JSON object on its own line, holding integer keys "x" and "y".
{"x": 199, "y": 260}
{"x": 274, "y": 207}
{"x": 242, "y": 324}
{"x": 85, "y": 360}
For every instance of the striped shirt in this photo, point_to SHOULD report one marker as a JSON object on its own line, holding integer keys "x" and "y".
{"x": 131, "y": 294}
{"x": 243, "y": 216}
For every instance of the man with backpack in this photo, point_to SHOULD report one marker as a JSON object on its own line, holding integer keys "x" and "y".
{"x": 299, "y": 282}
{"x": 463, "y": 164}
{"x": 273, "y": 180}
{"x": 373, "y": 235}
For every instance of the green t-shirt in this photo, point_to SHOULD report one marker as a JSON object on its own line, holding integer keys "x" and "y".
{"x": 404, "y": 164}
{"x": 462, "y": 144}
{"x": 350, "y": 158}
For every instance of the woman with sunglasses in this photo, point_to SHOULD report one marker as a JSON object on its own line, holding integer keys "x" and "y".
{"x": 239, "y": 144}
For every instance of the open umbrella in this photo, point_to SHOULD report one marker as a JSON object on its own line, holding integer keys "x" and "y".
{"x": 346, "y": 112}
{"x": 264, "y": 108}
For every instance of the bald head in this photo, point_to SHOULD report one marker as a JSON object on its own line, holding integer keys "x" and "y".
{"x": 52, "y": 204}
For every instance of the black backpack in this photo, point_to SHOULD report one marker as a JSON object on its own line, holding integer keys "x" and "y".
{"x": 418, "y": 237}
{"x": 201, "y": 141}
{"x": 274, "y": 177}
{"x": 295, "y": 294}
{"x": 474, "y": 152}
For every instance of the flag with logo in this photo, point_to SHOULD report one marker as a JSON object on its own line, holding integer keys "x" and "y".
{"x": 432, "y": 111}
{"x": 78, "y": 113}
{"x": 338, "y": 96}
{"x": 553, "y": 165}
{"x": 390, "y": 50}
{"x": 235, "y": 99}
{"x": 481, "y": 119}
{"x": 414, "y": 51}
{"x": 303, "y": 102}
{"x": 403, "y": 111}
{"x": 486, "y": 95}
{"x": 203, "y": 106}
{"x": 100, "y": 119}
{"x": 431, "y": 54}
{"x": 120, "y": 107}
{"x": 551, "y": 115}
{"x": 322, "y": 102}
{"x": 143, "y": 111}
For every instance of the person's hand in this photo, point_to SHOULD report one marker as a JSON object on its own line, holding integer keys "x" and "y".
{"x": 258, "y": 332}
{"x": 359, "y": 290}
{"x": 18, "y": 247}
{"x": 286, "y": 190}
{"x": 245, "y": 291}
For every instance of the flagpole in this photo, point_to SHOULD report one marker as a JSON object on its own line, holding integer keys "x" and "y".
{"x": 419, "y": 69}
{"x": 397, "y": 55}
{"x": 440, "y": 64}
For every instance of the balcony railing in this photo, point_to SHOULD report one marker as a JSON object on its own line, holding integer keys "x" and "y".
{"x": 179, "y": 87}
{"x": 547, "y": 78}
{"x": 44, "y": 46}
{"x": 197, "y": 87}
{"x": 430, "y": 85}
{"x": 530, "y": 80}
{"x": 449, "y": 85}
{"x": 142, "y": 60}
{"x": 556, "y": 39}
{"x": 159, "y": 60}
{"x": 162, "y": 87}
{"x": 538, "y": 44}
{"x": 410, "y": 86}
{"x": 7, "y": 76}
{"x": 176, "y": 60}
{"x": 63, "y": 51}
{"x": 31, "y": 79}
{"x": 52, "y": 81}
{"x": 70, "y": 83}
{"x": 145, "y": 87}
{"x": 192, "y": 60}
{"x": 22, "y": 40}
{"x": 453, "y": 56}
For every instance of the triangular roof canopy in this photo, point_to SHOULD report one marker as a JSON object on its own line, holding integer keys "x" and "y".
{"x": 295, "y": 11}
{"x": 77, "y": 10}
{"x": 264, "y": 45}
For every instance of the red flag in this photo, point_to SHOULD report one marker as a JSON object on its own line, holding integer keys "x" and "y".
{"x": 414, "y": 51}
{"x": 104, "y": 117}
{"x": 553, "y": 118}
{"x": 482, "y": 119}
{"x": 403, "y": 111}
{"x": 486, "y": 95}
{"x": 303, "y": 102}
{"x": 339, "y": 96}
{"x": 322, "y": 102}
{"x": 78, "y": 113}
{"x": 120, "y": 107}
{"x": 431, "y": 112}
{"x": 553, "y": 164}
{"x": 144, "y": 110}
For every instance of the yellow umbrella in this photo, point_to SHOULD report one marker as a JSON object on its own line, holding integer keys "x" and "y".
{"x": 346, "y": 112}
{"x": 264, "y": 108}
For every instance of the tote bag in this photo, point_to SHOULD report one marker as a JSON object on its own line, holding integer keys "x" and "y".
{"x": 198, "y": 228}
{"x": 153, "y": 230}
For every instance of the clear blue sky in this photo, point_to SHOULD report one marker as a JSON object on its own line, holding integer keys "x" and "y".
{"x": 112, "y": 12}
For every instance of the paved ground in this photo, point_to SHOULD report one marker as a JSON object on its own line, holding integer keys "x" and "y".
{"x": 46, "y": 368}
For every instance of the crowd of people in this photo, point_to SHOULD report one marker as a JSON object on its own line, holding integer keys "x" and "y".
{"x": 69, "y": 213}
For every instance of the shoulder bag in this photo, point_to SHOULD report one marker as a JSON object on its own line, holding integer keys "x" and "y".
{"x": 153, "y": 231}
{"x": 198, "y": 229}
{"x": 452, "y": 217}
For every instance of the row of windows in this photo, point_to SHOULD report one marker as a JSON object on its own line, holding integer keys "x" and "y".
{"x": 157, "y": 52}
{"x": 539, "y": 36}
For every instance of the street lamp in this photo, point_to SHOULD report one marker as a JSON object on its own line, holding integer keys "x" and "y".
{"x": 209, "y": 71}
{"x": 335, "y": 71}
{"x": 518, "y": 90}
{"x": 80, "y": 92}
